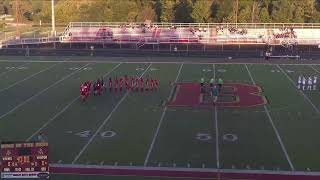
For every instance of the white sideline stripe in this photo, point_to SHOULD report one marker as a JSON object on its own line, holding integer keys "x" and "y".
{"x": 39, "y": 93}
{"x": 216, "y": 124}
{"x": 3, "y": 73}
{"x": 304, "y": 95}
{"x": 64, "y": 109}
{"x": 160, "y": 122}
{"x": 29, "y": 77}
{"x": 172, "y": 169}
{"x": 162, "y": 62}
{"x": 104, "y": 122}
{"x": 273, "y": 126}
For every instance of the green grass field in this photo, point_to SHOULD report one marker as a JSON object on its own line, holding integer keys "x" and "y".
{"x": 134, "y": 129}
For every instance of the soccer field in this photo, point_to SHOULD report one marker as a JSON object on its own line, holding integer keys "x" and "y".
{"x": 138, "y": 130}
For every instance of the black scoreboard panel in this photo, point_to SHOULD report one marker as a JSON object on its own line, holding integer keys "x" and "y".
{"x": 24, "y": 160}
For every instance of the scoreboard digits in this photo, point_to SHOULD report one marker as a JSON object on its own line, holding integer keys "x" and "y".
{"x": 24, "y": 160}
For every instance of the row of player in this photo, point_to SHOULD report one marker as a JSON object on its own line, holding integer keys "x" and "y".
{"x": 130, "y": 83}
{"x": 307, "y": 83}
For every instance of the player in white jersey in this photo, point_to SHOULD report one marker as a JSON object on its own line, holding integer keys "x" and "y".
{"x": 315, "y": 82}
{"x": 303, "y": 83}
{"x": 299, "y": 82}
{"x": 309, "y": 87}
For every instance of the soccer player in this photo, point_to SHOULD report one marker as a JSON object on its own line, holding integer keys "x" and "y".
{"x": 211, "y": 82}
{"x": 315, "y": 82}
{"x": 147, "y": 84}
{"x": 126, "y": 79}
{"x": 141, "y": 84}
{"x": 103, "y": 85}
{"x": 121, "y": 83}
{"x": 151, "y": 84}
{"x": 95, "y": 88}
{"x": 201, "y": 84}
{"x": 156, "y": 84}
{"x": 220, "y": 83}
{"x": 215, "y": 93}
{"x": 83, "y": 92}
{"x": 132, "y": 83}
{"x": 137, "y": 83}
{"x": 309, "y": 87}
{"x": 116, "y": 84}
{"x": 99, "y": 87}
{"x": 303, "y": 83}
{"x": 299, "y": 82}
{"x": 110, "y": 84}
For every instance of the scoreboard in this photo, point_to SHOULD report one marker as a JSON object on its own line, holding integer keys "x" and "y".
{"x": 24, "y": 160}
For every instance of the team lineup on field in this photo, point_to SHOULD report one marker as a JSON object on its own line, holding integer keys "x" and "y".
{"x": 260, "y": 119}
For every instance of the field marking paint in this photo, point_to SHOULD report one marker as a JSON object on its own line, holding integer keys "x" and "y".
{"x": 29, "y": 77}
{"x": 3, "y": 73}
{"x": 304, "y": 95}
{"x": 160, "y": 122}
{"x": 158, "y": 62}
{"x": 273, "y": 126}
{"x": 315, "y": 69}
{"x": 104, "y": 122}
{"x": 216, "y": 125}
{"x": 64, "y": 109}
{"x": 39, "y": 93}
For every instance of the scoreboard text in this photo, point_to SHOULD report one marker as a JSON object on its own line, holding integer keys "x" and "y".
{"x": 24, "y": 160}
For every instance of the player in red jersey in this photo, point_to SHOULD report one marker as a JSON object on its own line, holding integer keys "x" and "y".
{"x": 151, "y": 84}
{"x": 116, "y": 84}
{"x": 132, "y": 83}
{"x": 83, "y": 91}
{"x": 156, "y": 82}
{"x": 137, "y": 83}
{"x": 147, "y": 84}
{"x": 121, "y": 83}
{"x": 126, "y": 79}
{"x": 141, "y": 84}
{"x": 110, "y": 84}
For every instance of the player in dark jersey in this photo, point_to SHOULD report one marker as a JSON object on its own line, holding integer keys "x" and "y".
{"x": 110, "y": 84}
{"x": 95, "y": 88}
{"x": 99, "y": 86}
{"x": 137, "y": 83}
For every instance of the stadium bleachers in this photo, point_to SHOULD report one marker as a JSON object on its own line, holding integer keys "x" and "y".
{"x": 306, "y": 34}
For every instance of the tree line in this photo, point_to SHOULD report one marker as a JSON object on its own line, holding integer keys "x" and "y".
{"x": 197, "y": 11}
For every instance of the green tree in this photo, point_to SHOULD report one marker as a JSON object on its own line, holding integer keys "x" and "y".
{"x": 264, "y": 15}
{"x": 167, "y": 10}
{"x": 201, "y": 11}
{"x": 183, "y": 11}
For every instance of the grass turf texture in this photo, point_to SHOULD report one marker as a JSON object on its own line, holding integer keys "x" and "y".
{"x": 43, "y": 96}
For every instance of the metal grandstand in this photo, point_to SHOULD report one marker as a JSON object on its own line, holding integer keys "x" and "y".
{"x": 182, "y": 33}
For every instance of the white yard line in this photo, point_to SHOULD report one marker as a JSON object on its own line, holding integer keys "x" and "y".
{"x": 64, "y": 109}
{"x": 104, "y": 122}
{"x": 29, "y": 77}
{"x": 304, "y": 95}
{"x": 42, "y": 91}
{"x": 3, "y": 73}
{"x": 216, "y": 124}
{"x": 157, "y": 62}
{"x": 160, "y": 122}
{"x": 273, "y": 126}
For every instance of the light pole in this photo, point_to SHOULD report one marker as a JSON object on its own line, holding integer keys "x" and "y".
{"x": 53, "y": 19}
